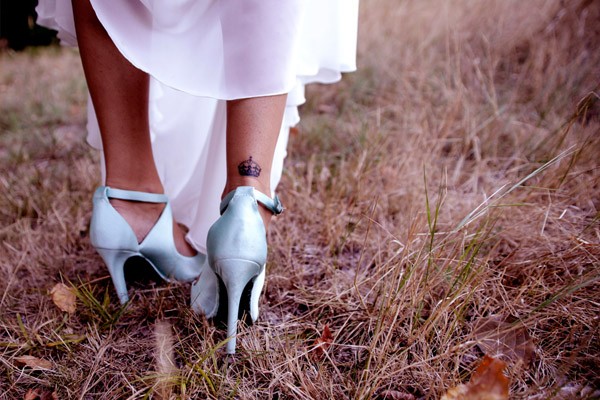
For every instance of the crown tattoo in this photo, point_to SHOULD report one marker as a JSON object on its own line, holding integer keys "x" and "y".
{"x": 249, "y": 168}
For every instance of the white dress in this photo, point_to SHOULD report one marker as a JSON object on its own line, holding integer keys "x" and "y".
{"x": 201, "y": 53}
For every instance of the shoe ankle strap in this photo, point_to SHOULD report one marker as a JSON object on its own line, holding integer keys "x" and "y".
{"x": 274, "y": 205}
{"x": 132, "y": 195}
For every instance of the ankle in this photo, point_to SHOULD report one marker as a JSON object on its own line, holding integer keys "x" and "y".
{"x": 258, "y": 184}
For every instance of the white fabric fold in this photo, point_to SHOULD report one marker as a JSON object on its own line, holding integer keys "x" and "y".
{"x": 200, "y": 54}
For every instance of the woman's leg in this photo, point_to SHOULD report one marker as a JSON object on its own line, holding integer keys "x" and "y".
{"x": 119, "y": 93}
{"x": 253, "y": 127}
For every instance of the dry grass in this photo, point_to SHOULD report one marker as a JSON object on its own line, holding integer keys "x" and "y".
{"x": 451, "y": 183}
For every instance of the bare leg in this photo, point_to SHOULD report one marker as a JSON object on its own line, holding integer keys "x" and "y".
{"x": 119, "y": 92}
{"x": 253, "y": 126}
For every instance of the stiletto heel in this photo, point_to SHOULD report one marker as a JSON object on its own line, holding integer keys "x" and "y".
{"x": 237, "y": 253}
{"x": 115, "y": 262}
{"x": 235, "y": 274}
{"x": 115, "y": 241}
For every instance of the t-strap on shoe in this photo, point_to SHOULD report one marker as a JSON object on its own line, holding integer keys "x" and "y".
{"x": 115, "y": 241}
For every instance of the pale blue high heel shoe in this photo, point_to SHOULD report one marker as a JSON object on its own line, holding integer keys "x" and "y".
{"x": 237, "y": 254}
{"x": 115, "y": 241}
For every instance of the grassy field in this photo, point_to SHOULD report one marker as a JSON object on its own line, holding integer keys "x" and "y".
{"x": 443, "y": 203}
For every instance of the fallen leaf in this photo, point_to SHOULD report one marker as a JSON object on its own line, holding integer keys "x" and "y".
{"x": 32, "y": 394}
{"x": 327, "y": 109}
{"x": 33, "y": 362}
{"x": 165, "y": 363}
{"x": 322, "y": 344}
{"x": 36, "y": 394}
{"x": 487, "y": 383}
{"x": 499, "y": 336}
{"x": 395, "y": 395}
{"x": 63, "y": 297}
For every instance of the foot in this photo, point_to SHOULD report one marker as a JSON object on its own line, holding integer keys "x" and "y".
{"x": 141, "y": 217}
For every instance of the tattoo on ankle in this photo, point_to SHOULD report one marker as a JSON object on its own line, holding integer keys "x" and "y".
{"x": 249, "y": 168}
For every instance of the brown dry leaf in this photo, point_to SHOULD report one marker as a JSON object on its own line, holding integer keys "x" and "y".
{"x": 33, "y": 362}
{"x": 497, "y": 335}
{"x": 165, "y": 364}
{"x": 32, "y": 394}
{"x": 487, "y": 383}
{"x": 322, "y": 344}
{"x": 63, "y": 297}
{"x": 395, "y": 395}
{"x": 36, "y": 394}
{"x": 327, "y": 109}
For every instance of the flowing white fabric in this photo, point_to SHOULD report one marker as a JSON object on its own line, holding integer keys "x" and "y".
{"x": 201, "y": 53}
